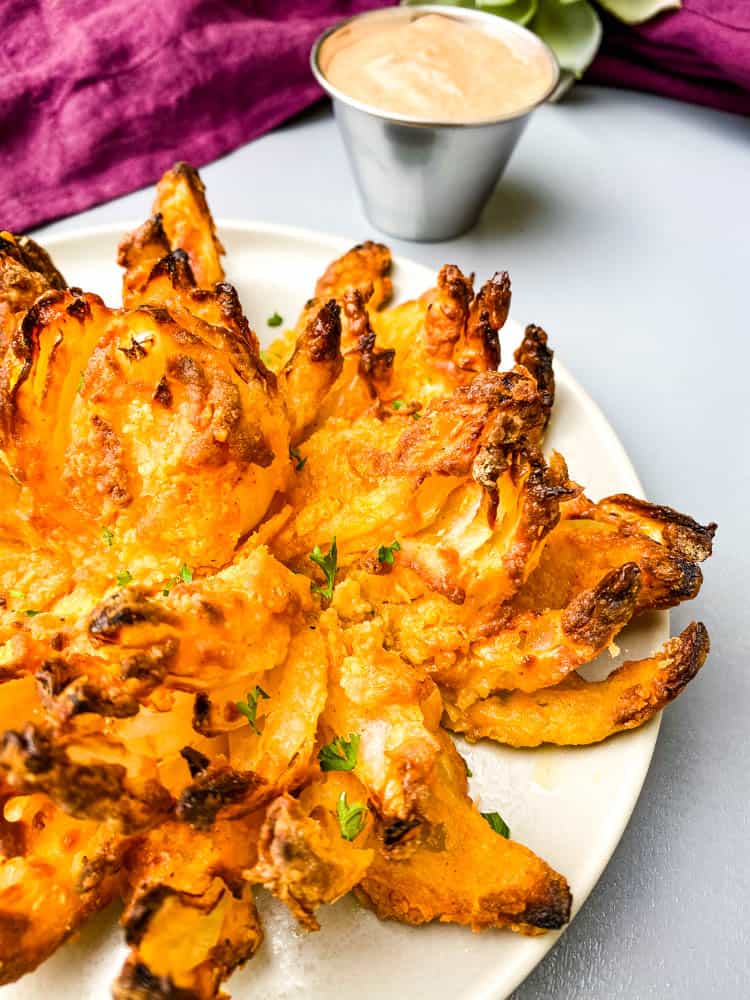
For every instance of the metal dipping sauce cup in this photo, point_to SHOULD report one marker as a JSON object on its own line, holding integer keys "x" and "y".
{"x": 427, "y": 180}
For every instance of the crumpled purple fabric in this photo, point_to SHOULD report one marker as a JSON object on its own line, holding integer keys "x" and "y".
{"x": 99, "y": 97}
{"x": 700, "y": 53}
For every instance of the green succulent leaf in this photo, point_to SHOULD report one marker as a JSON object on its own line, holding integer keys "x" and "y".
{"x": 520, "y": 11}
{"x": 638, "y": 11}
{"x": 572, "y": 30}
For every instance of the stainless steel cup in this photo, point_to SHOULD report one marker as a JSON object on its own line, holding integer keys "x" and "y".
{"x": 427, "y": 180}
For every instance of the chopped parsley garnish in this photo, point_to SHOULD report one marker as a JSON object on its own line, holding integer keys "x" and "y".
{"x": 184, "y": 576}
{"x": 385, "y": 553}
{"x": 275, "y": 320}
{"x": 17, "y": 595}
{"x": 328, "y": 564}
{"x": 299, "y": 461}
{"x": 340, "y": 754}
{"x": 397, "y": 404}
{"x": 124, "y": 577}
{"x": 249, "y": 707}
{"x": 30, "y": 613}
{"x": 80, "y": 383}
{"x": 497, "y": 823}
{"x": 351, "y": 817}
{"x": 108, "y": 536}
{"x": 469, "y": 772}
{"x": 416, "y": 415}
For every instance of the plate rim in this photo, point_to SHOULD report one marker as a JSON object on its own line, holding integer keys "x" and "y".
{"x": 499, "y": 983}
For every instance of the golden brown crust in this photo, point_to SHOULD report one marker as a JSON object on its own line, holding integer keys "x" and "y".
{"x": 366, "y": 265}
{"x": 187, "y": 221}
{"x": 458, "y": 870}
{"x": 303, "y": 860}
{"x": 536, "y": 357}
{"x": 579, "y": 712}
{"x": 313, "y": 368}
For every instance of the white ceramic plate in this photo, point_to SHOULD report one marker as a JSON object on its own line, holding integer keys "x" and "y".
{"x": 568, "y": 805}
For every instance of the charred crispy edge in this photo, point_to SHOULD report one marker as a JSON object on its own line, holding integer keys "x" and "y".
{"x": 196, "y": 761}
{"x": 552, "y": 910}
{"x": 669, "y": 581}
{"x": 33, "y": 257}
{"x": 534, "y": 354}
{"x": 150, "y": 234}
{"x": 591, "y": 616}
{"x": 683, "y": 657}
{"x": 681, "y": 533}
{"x": 322, "y": 338}
{"x": 214, "y": 789}
{"x": 175, "y": 266}
{"x": 137, "y": 982}
{"x": 675, "y": 665}
{"x": 141, "y": 910}
{"x": 24, "y": 343}
{"x": 499, "y": 406}
{"x": 64, "y": 695}
{"x": 198, "y": 189}
{"x": 37, "y": 764}
{"x": 549, "y": 909}
{"x": 487, "y": 315}
{"x": 447, "y": 314}
{"x": 122, "y": 609}
{"x": 375, "y": 262}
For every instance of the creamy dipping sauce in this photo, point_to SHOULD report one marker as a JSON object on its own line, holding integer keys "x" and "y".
{"x": 436, "y": 68}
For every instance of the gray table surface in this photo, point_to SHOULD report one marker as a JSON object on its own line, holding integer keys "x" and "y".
{"x": 624, "y": 220}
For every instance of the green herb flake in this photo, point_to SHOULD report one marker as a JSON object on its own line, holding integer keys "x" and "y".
{"x": 275, "y": 320}
{"x": 108, "y": 536}
{"x": 17, "y": 595}
{"x": 397, "y": 404}
{"x": 340, "y": 754}
{"x": 469, "y": 772}
{"x": 497, "y": 823}
{"x": 416, "y": 415}
{"x": 31, "y": 614}
{"x": 328, "y": 564}
{"x": 186, "y": 574}
{"x": 385, "y": 553}
{"x": 80, "y": 383}
{"x": 249, "y": 707}
{"x": 124, "y": 577}
{"x": 296, "y": 457}
{"x": 351, "y": 817}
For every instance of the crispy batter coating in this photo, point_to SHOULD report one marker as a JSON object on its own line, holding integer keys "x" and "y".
{"x": 174, "y": 675}
{"x": 592, "y": 539}
{"x": 48, "y": 881}
{"x": 460, "y": 870}
{"x": 312, "y": 369}
{"x": 170, "y": 437}
{"x": 536, "y": 357}
{"x": 302, "y": 858}
{"x": 190, "y": 920}
{"x": 366, "y": 265}
{"x": 578, "y": 712}
{"x": 395, "y": 712}
{"x": 188, "y": 224}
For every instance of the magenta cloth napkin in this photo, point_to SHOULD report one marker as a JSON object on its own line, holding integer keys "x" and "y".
{"x": 99, "y": 97}
{"x": 700, "y": 53}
